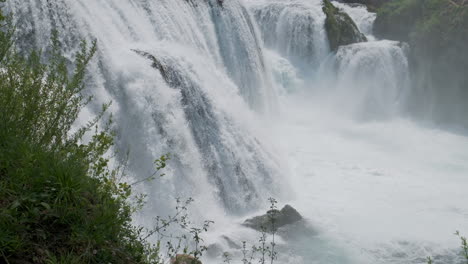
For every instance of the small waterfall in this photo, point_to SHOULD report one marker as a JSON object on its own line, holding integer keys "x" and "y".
{"x": 294, "y": 29}
{"x": 363, "y": 18}
{"x": 370, "y": 79}
{"x": 200, "y": 108}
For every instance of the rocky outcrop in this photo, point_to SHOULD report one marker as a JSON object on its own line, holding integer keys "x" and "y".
{"x": 274, "y": 219}
{"x": 341, "y": 29}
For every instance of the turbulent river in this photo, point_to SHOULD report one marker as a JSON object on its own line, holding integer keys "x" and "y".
{"x": 251, "y": 103}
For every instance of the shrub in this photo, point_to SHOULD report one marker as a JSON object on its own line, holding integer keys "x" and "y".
{"x": 59, "y": 200}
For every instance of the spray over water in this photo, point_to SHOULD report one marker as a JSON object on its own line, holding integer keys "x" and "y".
{"x": 248, "y": 98}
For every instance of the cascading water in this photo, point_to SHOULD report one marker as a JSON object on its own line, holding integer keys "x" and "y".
{"x": 368, "y": 80}
{"x": 294, "y": 29}
{"x": 198, "y": 109}
{"x": 363, "y": 176}
{"x": 364, "y": 19}
{"x": 194, "y": 79}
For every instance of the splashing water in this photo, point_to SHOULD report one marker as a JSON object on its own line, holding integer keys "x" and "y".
{"x": 364, "y": 19}
{"x": 199, "y": 109}
{"x": 294, "y": 29}
{"x": 200, "y": 80}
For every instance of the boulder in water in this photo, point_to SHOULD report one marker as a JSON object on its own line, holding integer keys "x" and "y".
{"x": 341, "y": 29}
{"x": 185, "y": 259}
{"x": 274, "y": 219}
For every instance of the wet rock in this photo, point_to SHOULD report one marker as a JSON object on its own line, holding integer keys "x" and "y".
{"x": 274, "y": 219}
{"x": 185, "y": 259}
{"x": 341, "y": 29}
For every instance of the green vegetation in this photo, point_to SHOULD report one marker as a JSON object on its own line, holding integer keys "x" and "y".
{"x": 395, "y": 19}
{"x": 437, "y": 31}
{"x": 341, "y": 29}
{"x": 59, "y": 200}
{"x": 417, "y": 21}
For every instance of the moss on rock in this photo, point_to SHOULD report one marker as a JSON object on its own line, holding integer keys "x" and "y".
{"x": 341, "y": 29}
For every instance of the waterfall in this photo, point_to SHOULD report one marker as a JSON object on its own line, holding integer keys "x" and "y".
{"x": 364, "y": 19}
{"x": 367, "y": 80}
{"x": 193, "y": 78}
{"x": 222, "y": 85}
{"x": 372, "y": 78}
{"x": 204, "y": 108}
{"x": 294, "y": 29}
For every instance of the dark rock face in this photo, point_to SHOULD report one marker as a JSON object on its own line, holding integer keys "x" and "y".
{"x": 274, "y": 219}
{"x": 341, "y": 29}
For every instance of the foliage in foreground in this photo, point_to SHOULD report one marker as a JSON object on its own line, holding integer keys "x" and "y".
{"x": 60, "y": 202}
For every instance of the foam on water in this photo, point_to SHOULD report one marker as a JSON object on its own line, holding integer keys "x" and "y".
{"x": 194, "y": 79}
{"x": 294, "y": 29}
{"x": 383, "y": 192}
{"x": 201, "y": 109}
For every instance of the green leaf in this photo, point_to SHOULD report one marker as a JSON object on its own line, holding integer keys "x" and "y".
{"x": 15, "y": 204}
{"x": 46, "y": 205}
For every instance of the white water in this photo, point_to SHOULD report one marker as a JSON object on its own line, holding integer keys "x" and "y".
{"x": 374, "y": 186}
{"x": 378, "y": 192}
{"x": 204, "y": 117}
{"x": 294, "y": 28}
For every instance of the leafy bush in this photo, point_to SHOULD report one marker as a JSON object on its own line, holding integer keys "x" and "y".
{"x": 59, "y": 200}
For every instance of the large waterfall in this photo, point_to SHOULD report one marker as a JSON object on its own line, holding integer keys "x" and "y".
{"x": 251, "y": 103}
{"x": 199, "y": 107}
